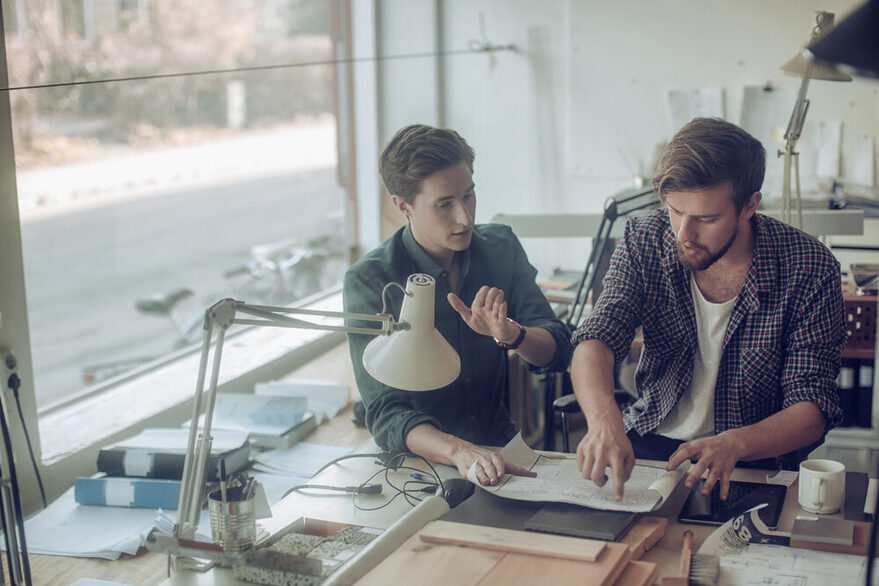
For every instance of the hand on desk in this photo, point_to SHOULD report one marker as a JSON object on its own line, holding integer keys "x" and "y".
{"x": 490, "y": 466}
{"x": 717, "y": 454}
{"x": 606, "y": 444}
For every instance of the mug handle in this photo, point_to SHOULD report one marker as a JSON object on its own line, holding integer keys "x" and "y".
{"x": 822, "y": 492}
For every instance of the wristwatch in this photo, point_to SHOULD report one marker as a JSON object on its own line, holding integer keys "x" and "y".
{"x": 517, "y": 341}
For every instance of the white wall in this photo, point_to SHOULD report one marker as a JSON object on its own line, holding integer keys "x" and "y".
{"x": 566, "y": 120}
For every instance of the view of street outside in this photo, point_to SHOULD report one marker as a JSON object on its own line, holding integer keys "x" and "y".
{"x": 168, "y": 151}
{"x": 100, "y": 234}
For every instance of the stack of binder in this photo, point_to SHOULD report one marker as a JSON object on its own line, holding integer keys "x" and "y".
{"x": 145, "y": 470}
{"x": 270, "y": 421}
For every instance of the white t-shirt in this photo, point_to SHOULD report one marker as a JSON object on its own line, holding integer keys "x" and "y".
{"x": 693, "y": 416}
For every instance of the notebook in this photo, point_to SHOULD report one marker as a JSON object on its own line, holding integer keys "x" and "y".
{"x": 484, "y": 508}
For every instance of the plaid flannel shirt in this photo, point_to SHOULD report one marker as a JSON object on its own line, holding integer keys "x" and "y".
{"x": 782, "y": 345}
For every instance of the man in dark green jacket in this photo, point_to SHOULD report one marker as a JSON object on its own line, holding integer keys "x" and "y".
{"x": 487, "y": 302}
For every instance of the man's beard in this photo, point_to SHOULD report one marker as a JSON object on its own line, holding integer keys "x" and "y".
{"x": 700, "y": 261}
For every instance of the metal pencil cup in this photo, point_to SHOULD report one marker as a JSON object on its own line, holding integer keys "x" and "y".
{"x": 233, "y": 524}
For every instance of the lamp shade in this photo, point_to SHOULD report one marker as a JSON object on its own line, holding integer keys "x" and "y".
{"x": 417, "y": 358}
{"x": 853, "y": 46}
{"x": 798, "y": 64}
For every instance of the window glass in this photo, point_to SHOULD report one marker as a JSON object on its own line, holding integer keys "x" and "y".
{"x": 167, "y": 155}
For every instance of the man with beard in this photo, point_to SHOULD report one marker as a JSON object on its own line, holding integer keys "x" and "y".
{"x": 742, "y": 319}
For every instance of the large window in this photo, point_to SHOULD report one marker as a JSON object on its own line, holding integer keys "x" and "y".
{"x": 167, "y": 155}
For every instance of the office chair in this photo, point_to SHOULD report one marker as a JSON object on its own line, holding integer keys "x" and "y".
{"x": 619, "y": 205}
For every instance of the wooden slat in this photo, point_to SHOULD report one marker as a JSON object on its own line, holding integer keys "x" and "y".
{"x": 556, "y": 546}
{"x": 416, "y": 562}
{"x": 638, "y": 574}
{"x": 644, "y": 534}
{"x": 860, "y": 545}
{"x": 517, "y": 569}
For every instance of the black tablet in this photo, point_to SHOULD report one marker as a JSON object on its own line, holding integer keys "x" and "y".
{"x": 710, "y": 510}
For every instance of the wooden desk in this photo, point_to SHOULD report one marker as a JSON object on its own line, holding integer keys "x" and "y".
{"x": 665, "y": 554}
{"x": 150, "y": 569}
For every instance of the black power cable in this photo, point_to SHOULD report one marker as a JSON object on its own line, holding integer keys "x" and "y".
{"x": 15, "y": 383}
{"x": 16, "y": 503}
{"x": 383, "y": 458}
{"x": 361, "y": 489}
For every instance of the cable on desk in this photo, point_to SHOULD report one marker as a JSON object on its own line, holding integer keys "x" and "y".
{"x": 407, "y": 491}
{"x": 360, "y": 489}
{"x": 383, "y": 458}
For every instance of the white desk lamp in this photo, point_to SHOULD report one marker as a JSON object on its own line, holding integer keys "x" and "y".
{"x": 808, "y": 70}
{"x": 410, "y": 354}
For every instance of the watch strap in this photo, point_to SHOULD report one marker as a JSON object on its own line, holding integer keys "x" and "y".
{"x": 515, "y": 343}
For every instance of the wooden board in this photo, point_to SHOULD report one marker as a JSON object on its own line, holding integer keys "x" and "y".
{"x": 528, "y": 570}
{"x": 859, "y": 547}
{"x": 644, "y": 534}
{"x": 416, "y": 562}
{"x": 556, "y": 546}
{"x": 442, "y": 564}
{"x": 638, "y": 573}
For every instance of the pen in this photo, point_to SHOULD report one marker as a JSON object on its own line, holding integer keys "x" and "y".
{"x": 418, "y": 476}
{"x": 223, "y": 480}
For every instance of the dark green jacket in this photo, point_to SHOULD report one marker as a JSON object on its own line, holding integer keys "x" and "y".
{"x": 471, "y": 408}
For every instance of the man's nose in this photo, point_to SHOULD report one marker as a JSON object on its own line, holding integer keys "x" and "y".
{"x": 686, "y": 233}
{"x": 463, "y": 215}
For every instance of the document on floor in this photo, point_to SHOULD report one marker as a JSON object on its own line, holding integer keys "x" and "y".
{"x": 559, "y": 480}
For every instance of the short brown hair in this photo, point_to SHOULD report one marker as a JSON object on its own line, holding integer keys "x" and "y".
{"x": 418, "y": 151}
{"x": 707, "y": 152}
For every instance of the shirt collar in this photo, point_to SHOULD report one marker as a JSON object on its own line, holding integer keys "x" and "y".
{"x": 763, "y": 267}
{"x": 425, "y": 263}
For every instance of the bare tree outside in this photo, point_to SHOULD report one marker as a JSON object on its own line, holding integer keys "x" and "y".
{"x": 163, "y": 147}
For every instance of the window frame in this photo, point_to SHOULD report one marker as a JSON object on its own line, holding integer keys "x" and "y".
{"x": 59, "y": 468}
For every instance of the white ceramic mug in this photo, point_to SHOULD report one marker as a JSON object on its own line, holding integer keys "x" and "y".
{"x": 822, "y": 486}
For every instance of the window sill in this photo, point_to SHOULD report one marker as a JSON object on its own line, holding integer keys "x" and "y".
{"x": 163, "y": 396}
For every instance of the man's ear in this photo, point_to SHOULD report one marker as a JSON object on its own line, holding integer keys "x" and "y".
{"x": 401, "y": 205}
{"x": 753, "y": 204}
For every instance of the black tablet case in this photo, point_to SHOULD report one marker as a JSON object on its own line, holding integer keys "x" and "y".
{"x": 484, "y": 508}
{"x": 856, "y": 484}
{"x": 709, "y": 510}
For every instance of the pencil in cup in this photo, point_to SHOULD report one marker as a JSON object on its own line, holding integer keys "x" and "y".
{"x": 233, "y": 520}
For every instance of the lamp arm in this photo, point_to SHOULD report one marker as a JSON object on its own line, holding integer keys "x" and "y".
{"x": 189, "y": 499}
{"x": 791, "y": 136}
{"x": 616, "y": 206}
{"x": 221, "y": 316}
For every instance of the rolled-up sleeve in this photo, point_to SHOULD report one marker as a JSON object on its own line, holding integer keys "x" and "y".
{"x": 529, "y": 307}
{"x": 817, "y": 336}
{"x": 390, "y": 414}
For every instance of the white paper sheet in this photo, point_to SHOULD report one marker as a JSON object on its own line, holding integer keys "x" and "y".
{"x": 325, "y": 398}
{"x": 751, "y": 554}
{"x": 790, "y": 566}
{"x": 302, "y": 459}
{"x": 864, "y": 159}
{"x": 67, "y": 528}
{"x": 559, "y": 480}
